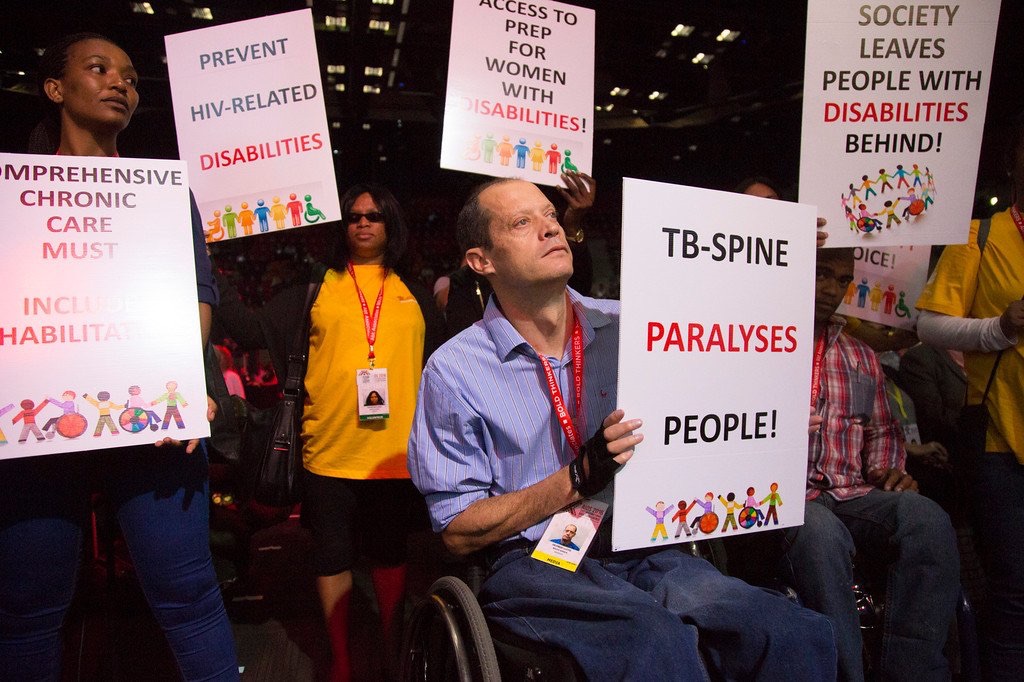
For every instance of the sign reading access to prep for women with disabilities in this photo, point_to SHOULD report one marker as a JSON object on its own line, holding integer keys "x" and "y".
{"x": 894, "y": 108}
{"x": 99, "y": 327}
{"x": 520, "y": 97}
{"x": 249, "y": 112}
{"x": 886, "y": 282}
{"x": 715, "y": 357}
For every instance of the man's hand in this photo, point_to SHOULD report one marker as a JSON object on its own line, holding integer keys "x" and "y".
{"x": 892, "y": 479}
{"x": 1012, "y": 319}
{"x": 579, "y": 192}
{"x": 933, "y": 453}
{"x": 190, "y": 447}
{"x": 814, "y": 422}
{"x": 822, "y": 235}
{"x": 601, "y": 456}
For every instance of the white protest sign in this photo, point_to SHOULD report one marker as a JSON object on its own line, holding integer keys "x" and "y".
{"x": 520, "y": 96}
{"x": 886, "y": 282}
{"x": 251, "y": 123}
{"x": 715, "y": 357}
{"x": 894, "y": 109}
{"x": 99, "y": 330}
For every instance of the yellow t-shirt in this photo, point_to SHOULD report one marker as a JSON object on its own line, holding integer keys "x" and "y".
{"x": 335, "y": 442}
{"x": 970, "y": 283}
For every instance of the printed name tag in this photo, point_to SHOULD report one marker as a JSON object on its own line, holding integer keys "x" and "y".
{"x": 569, "y": 534}
{"x": 372, "y": 394}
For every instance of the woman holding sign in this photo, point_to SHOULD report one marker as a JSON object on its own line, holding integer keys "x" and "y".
{"x": 159, "y": 496}
{"x": 371, "y": 331}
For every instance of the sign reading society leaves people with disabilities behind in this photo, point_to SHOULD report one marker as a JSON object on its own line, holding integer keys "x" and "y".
{"x": 520, "y": 95}
{"x": 715, "y": 357}
{"x": 99, "y": 327}
{"x": 893, "y": 115}
{"x": 250, "y": 118}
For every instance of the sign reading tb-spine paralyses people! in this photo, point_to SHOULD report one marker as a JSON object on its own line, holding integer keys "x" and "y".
{"x": 715, "y": 357}
{"x": 99, "y": 326}
{"x": 894, "y": 109}
{"x": 520, "y": 96}
{"x": 250, "y": 117}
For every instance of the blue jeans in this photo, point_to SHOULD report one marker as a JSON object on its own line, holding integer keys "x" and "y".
{"x": 665, "y": 616}
{"x": 996, "y": 492}
{"x": 161, "y": 500}
{"x": 913, "y": 537}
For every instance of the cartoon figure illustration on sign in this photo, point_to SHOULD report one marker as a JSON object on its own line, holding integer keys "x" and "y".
{"x": 172, "y": 398}
{"x": 28, "y": 417}
{"x": 773, "y": 500}
{"x": 262, "y": 215}
{"x": 680, "y": 516}
{"x": 554, "y": 157}
{"x": 521, "y": 151}
{"x": 246, "y": 219}
{"x": 659, "y": 513}
{"x": 103, "y": 405}
{"x": 216, "y": 231}
{"x": 567, "y": 164}
{"x": 313, "y": 214}
{"x": 229, "y": 218}
{"x": 69, "y": 423}
{"x": 278, "y": 212}
{"x": 487, "y": 145}
{"x": 295, "y": 210}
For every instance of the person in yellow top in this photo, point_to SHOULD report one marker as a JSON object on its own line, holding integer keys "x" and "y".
{"x": 371, "y": 331}
{"x": 973, "y": 303}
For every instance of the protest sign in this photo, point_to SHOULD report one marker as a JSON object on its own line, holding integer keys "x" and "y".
{"x": 520, "y": 96}
{"x": 715, "y": 357}
{"x": 251, "y": 124}
{"x": 886, "y": 282}
{"x": 99, "y": 327}
{"x": 894, "y": 109}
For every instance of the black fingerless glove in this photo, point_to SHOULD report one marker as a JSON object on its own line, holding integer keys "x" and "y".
{"x": 600, "y": 467}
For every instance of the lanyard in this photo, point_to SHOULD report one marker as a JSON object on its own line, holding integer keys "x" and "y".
{"x": 369, "y": 323}
{"x": 819, "y": 360}
{"x": 897, "y": 395}
{"x": 565, "y": 421}
{"x": 1017, "y": 219}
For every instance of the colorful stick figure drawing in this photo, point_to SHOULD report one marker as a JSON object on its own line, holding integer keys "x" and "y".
{"x": 262, "y": 215}
{"x": 216, "y": 231}
{"x": 521, "y": 151}
{"x": 659, "y": 513}
{"x": 883, "y": 178}
{"x": 313, "y": 214}
{"x": 554, "y": 157}
{"x": 680, "y": 516}
{"x": 246, "y": 219}
{"x": 229, "y": 218}
{"x": 773, "y": 500}
{"x": 537, "y": 156}
{"x": 708, "y": 521}
{"x": 751, "y": 514}
{"x": 567, "y": 164}
{"x": 504, "y": 150}
{"x": 487, "y": 145}
{"x": 4, "y": 410}
{"x": 278, "y": 212}
{"x": 472, "y": 152}
{"x": 295, "y": 210}
{"x": 104, "y": 405}
{"x": 172, "y": 398}
{"x": 862, "y": 292}
{"x": 901, "y": 307}
{"x": 888, "y": 299}
{"x": 875, "y": 296}
{"x": 68, "y": 409}
{"x": 27, "y": 416}
{"x": 731, "y": 507}
{"x": 141, "y": 416}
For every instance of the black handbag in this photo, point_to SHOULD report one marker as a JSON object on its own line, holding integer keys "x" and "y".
{"x": 972, "y": 424}
{"x": 278, "y": 474}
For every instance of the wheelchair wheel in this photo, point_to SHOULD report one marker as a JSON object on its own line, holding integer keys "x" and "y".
{"x": 448, "y": 638}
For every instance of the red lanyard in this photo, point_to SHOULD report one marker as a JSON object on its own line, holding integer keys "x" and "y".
{"x": 571, "y": 433}
{"x": 369, "y": 323}
{"x": 819, "y": 360}
{"x": 1017, "y": 220}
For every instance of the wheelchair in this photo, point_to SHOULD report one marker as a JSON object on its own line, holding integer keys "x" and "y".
{"x": 448, "y": 637}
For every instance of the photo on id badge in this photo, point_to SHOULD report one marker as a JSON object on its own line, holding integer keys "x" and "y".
{"x": 372, "y": 394}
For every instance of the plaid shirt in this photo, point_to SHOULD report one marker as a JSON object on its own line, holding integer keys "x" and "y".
{"x": 845, "y": 449}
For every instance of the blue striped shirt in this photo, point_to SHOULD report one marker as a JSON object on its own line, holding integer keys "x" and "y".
{"x": 484, "y": 423}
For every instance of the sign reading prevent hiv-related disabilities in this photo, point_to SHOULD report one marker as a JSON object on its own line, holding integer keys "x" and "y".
{"x": 886, "y": 282}
{"x": 715, "y": 354}
{"x": 251, "y": 123}
{"x": 520, "y": 96}
{"x": 894, "y": 109}
{"x": 99, "y": 329}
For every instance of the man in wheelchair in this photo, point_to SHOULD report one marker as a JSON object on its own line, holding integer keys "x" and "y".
{"x": 497, "y": 451}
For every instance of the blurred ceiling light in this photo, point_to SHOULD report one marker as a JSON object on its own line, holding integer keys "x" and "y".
{"x": 682, "y": 30}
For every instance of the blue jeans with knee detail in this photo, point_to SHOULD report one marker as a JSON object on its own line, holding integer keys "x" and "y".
{"x": 161, "y": 501}
{"x": 913, "y": 537}
{"x": 664, "y": 616}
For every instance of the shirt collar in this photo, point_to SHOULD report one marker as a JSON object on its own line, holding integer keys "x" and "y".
{"x": 507, "y": 340}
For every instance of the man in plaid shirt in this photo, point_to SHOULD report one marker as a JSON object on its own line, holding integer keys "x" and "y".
{"x": 861, "y": 501}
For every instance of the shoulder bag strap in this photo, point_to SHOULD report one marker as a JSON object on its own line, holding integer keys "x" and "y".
{"x": 300, "y": 345}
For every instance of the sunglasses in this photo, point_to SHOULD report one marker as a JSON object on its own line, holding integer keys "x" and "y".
{"x": 373, "y": 217}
